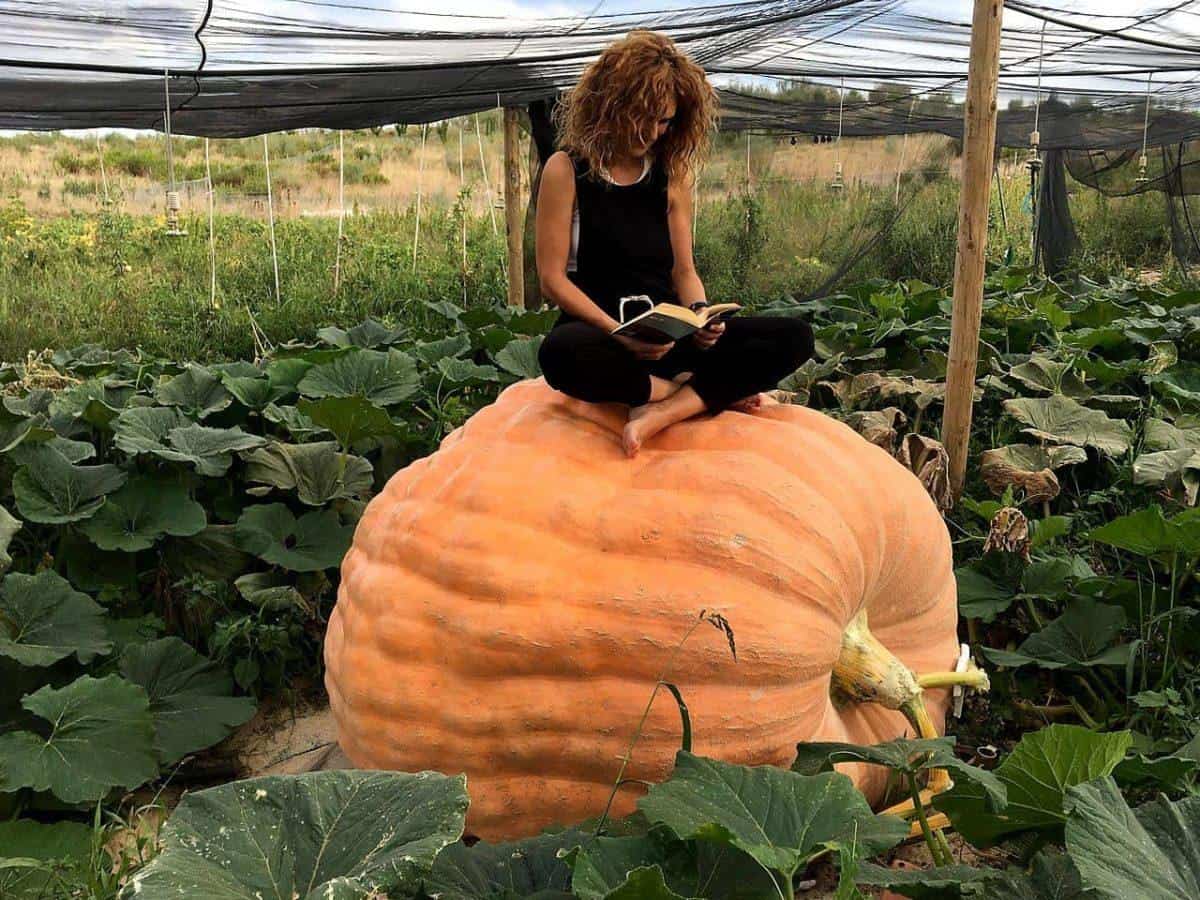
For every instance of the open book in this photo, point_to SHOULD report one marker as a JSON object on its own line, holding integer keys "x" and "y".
{"x": 666, "y": 322}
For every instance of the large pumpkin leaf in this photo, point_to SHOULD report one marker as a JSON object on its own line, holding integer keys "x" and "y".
{"x": 367, "y": 335}
{"x": 342, "y": 835}
{"x": 298, "y": 425}
{"x": 979, "y": 597}
{"x": 73, "y": 451}
{"x": 99, "y": 735}
{"x": 271, "y": 590}
{"x": 191, "y": 697}
{"x": 43, "y": 619}
{"x": 210, "y": 450}
{"x": 520, "y": 357}
{"x": 1181, "y": 383}
{"x": 1051, "y": 876}
{"x": 317, "y": 472}
{"x": 315, "y": 541}
{"x": 604, "y": 865}
{"x": 462, "y": 371}
{"x": 1183, "y": 434}
{"x": 1081, "y": 637}
{"x": 1176, "y": 470}
{"x": 352, "y": 420}
{"x": 486, "y": 871}
{"x": 197, "y": 391}
{"x": 1150, "y": 854}
{"x": 383, "y": 377}
{"x": 925, "y": 884}
{"x": 782, "y": 819}
{"x": 902, "y": 755}
{"x": 9, "y": 526}
{"x": 448, "y": 347}
{"x": 145, "y": 430}
{"x": 65, "y": 844}
{"x": 51, "y": 490}
{"x": 1036, "y": 776}
{"x": 143, "y": 511}
{"x": 1148, "y": 532}
{"x": 1064, "y": 421}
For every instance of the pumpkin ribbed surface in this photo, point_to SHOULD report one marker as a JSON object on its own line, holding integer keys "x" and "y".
{"x": 510, "y": 601}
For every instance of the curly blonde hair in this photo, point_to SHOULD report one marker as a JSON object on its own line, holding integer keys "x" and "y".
{"x": 622, "y": 93}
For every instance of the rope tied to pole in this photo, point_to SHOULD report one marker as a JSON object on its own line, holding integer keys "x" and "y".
{"x": 1142, "y": 178}
{"x": 420, "y": 172}
{"x": 173, "y": 205}
{"x": 271, "y": 217}
{"x": 337, "y": 258}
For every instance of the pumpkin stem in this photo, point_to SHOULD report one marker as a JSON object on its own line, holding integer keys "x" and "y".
{"x": 868, "y": 672}
{"x": 974, "y": 678}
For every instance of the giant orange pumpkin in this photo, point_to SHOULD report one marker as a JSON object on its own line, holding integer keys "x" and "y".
{"x": 510, "y": 601}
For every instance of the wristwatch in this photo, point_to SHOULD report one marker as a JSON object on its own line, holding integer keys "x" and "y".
{"x": 697, "y": 305}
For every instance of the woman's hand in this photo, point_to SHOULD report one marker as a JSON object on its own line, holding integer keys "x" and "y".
{"x": 644, "y": 349}
{"x": 707, "y": 336}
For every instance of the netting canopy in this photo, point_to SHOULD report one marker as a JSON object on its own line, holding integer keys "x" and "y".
{"x": 239, "y": 67}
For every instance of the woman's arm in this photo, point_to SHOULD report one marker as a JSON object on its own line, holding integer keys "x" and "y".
{"x": 688, "y": 286}
{"x": 555, "y": 205}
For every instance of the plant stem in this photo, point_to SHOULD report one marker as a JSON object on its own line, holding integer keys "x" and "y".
{"x": 914, "y": 792}
{"x": 972, "y": 678}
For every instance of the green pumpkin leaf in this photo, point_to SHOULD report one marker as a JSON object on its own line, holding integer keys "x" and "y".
{"x": 344, "y": 834}
{"x": 9, "y": 526}
{"x": 644, "y": 883}
{"x": 1036, "y": 776}
{"x": 486, "y": 871}
{"x": 271, "y": 590}
{"x": 782, "y": 819}
{"x": 1175, "y": 470}
{"x": 197, "y": 391}
{"x": 367, "y": 335}
{"x": 352, "y": 420}
{"x": 1152, "y": 853}
{"x": 900, "y": 755}
{"x": 1148, "y": 533}
{"x": 315, "y": 541}
{"x": 67, "y": 844}
{"x": 1064, "y": 421}
{"x": 520, "y": 357}
{"x": 145, "y": 429}
{"x": 43, "y": 619}
{"x": 191, "y": 697}
{"x": 51, "y": 490}
{"x": 212, "y": 552}
{"x": 383, "y": 378}
{"x": 935, "y": 884}
{"x": 979, "y": 597}
{"x": 461, "y": 371}
{"x": 210, "y": 450}
{"x": 602, "y": 865}
{"x": 72, "y": 451}
{"x": 1081, "y": 637}
{"x": 433, "y": 351}
{"x": 98, "y": 735}
{"x": 1181, "y": 384}
{"x": 1183, "y": 434}
{"x": 298, "y": 425}
{"x": 317, "y": 472}
{"x": 141, "y": 512}
{"x": 93, "y": 401}
{"x": 1052, "y": 876}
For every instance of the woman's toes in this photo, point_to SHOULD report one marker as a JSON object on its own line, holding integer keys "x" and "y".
{"x": 631, "y": 440}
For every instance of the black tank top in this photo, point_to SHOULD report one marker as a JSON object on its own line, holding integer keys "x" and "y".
{"x": 624, "y": 241}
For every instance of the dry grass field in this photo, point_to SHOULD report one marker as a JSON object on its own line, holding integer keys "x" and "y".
{"x": 57, "y": 174}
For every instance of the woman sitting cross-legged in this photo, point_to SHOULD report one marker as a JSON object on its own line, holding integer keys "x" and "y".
{"x": 614, "y": 219}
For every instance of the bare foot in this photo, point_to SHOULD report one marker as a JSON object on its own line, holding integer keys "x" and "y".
{"x": 635, "y": 429}
{"x": 683, "y": 378}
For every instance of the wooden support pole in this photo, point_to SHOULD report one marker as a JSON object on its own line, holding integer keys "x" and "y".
{"x": 979, "y": 140}
{"x": 514, "y": 222}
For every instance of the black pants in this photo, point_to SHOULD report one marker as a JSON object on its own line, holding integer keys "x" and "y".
{"x": 752, "y": 355}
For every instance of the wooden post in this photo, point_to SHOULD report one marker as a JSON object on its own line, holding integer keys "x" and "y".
{"x": 979, "y": 139}
{"x": 513, "y": 220}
